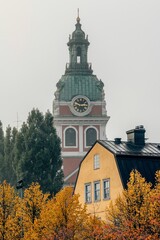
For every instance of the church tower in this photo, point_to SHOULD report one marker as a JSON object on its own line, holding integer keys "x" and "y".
{"x": 79, "y": 107}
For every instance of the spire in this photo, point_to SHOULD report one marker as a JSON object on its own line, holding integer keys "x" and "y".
{"x": 78, "y": 18}
{"x": 78, "y": 47}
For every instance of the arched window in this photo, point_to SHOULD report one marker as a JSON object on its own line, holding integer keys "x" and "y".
{"x": 78, "y": 54}
{"x": 91, "y": 136}
{"x": 70, "y": 137}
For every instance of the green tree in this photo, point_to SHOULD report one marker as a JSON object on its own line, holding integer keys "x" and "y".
{"x": 19, "y": 151}
{"x": 9, "y": 144}
{"x": 38, "y": 152}
{"x": 13, "y": 178}
{"x": 1, "y": 152}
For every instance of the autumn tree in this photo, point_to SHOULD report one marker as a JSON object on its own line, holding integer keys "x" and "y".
{"x": 32, "y": 204}
{"x": 155, "y": 207}
{"x": 38, "y": 153}
{"x": 10, "y": 227}
{"x": 130, "y": 215}
{"x": 94, "y": 228}
{"x": 64, "y": 218}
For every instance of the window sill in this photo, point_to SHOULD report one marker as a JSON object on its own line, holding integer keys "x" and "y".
{"x": 97, "y": 200}
{"x": 106, "y": 199}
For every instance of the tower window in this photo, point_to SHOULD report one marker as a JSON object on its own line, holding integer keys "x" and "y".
{"x": 70, "y": 137}
{"x": 91, "y": 136}
{"x": 78, "y": 59}
{"x": 78, "y": 54}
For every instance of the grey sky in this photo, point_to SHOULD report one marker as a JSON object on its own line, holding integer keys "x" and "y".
{"x": 124, "y": 51}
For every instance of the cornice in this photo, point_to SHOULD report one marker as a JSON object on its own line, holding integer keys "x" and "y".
{"x": 81, "y": 121}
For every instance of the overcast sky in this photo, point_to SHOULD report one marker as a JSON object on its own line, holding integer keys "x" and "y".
{"x": 124, "y": 51}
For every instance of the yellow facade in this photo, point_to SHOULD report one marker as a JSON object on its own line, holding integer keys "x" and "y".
{"x": 87, "y": 174}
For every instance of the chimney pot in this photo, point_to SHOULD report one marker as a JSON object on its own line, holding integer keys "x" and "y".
{"x": 117, "y": 140}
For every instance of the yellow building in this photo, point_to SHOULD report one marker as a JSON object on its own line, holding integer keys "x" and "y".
{"x": 104, "y": 171}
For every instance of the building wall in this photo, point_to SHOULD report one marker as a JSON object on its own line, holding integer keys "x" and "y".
{"x": 87, "y": 174}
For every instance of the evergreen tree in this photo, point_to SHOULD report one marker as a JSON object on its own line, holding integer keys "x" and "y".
{"x": 1, "y": 152}
{"x": 38, "y": 152}
{"x": 13, "y": 149}
{"x": 7, "y": 154}
{"x": 9, "y": 143}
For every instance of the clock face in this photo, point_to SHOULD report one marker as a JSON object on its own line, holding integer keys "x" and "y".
{"x": 80, "y": 104}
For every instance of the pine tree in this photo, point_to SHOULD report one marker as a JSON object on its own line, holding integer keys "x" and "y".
{"x": 38, "y": 153}
{"x": 13, "y": 178}
{"x": 9, "y": 143}
{"x": 1, "y": 153}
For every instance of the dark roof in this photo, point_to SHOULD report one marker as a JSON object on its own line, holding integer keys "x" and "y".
{"x": 144, "y": 158}
{"x": 128, "y": 148}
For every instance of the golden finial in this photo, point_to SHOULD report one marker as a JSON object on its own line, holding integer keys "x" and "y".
{"x": 78, "y": 18}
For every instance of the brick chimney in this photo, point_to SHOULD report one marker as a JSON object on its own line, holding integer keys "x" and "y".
{"x": 137, "y": 135}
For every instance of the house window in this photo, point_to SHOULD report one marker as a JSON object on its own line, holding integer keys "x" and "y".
{"x": 106, "y": 189}
{"x": 88, "y": 193}
{"x": 96, "y": 161}
{"x": 70, "y": 137}
{"x": 91, "y": 136}
{"x": 97, "y": 191}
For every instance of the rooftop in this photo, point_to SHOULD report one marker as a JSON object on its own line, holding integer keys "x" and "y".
{"x": 129, "y": 148}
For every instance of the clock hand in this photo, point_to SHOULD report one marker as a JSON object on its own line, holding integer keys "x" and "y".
{"x": 77, "y": 104}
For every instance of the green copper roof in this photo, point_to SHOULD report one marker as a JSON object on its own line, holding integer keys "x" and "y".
{"x": 70, "y": 86}
{"x": 79, "y": 78}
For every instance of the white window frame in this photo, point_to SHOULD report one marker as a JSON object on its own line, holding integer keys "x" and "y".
{"x": 96, "y": 161}
{"x": 97, "y": 197}
{"x": 106, "y": 189}
{"x": 88, "y": 194}
{"x": 64, "y": 137}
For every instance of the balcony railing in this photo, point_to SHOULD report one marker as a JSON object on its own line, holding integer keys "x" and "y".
{"x": 80, "y": 66}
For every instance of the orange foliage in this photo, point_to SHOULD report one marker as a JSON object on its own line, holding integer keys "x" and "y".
{"x": 32, "y": 204}
{"x": 134, "y": 213}
{"x": 10, "y": 222}
{"x": 64, "y": 215}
